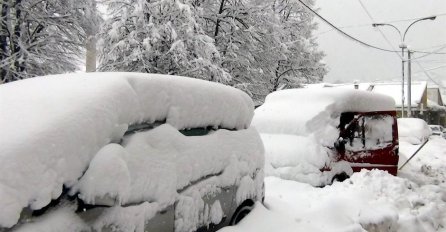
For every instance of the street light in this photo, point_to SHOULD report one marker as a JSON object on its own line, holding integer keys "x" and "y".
{"x": 404, "y": 46}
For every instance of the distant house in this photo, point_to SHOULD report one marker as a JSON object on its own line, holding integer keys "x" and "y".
{"x": 426, "y": 103}
{"x": 434, "y": 94}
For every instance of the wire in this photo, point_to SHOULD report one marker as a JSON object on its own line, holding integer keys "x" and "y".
{"x": 404, "y": 20}
{"x": 388, "y": 41}
{"x": 427, "y": 53}
{"x": 435, "y": 53}
{"x": 427, "y": 74}
{"x": 368, "y": 25}
{"x": 342, "y": 32}
{"x": 401, "y": 56}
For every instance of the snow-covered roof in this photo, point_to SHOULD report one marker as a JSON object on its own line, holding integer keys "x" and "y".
{"x": 392, "y": 89}
{"x": 302, "y": 111}
{"x": 52, "y": 126}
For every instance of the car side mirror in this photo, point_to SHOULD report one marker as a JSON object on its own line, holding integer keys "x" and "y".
{"x": 340, "y": 144}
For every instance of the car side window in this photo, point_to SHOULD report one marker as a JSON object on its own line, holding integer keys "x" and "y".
{"x": 187, "y": 132}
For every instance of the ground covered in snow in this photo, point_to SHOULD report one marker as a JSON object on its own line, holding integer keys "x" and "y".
{"x": 415, "y": 200}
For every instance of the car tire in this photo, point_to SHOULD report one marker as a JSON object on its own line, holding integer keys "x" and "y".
{"x": 340, "y": 177}
{"x": 244, "y": 209}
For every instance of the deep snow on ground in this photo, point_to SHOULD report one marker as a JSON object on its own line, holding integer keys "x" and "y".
{"x": 368, "y": 201}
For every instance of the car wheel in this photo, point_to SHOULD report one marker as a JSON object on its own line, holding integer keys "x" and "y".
{"x": 244, "y": 209}
{"x": 340, "y": 177}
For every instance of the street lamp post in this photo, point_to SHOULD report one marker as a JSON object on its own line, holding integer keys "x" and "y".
{"x": 404, "y": 46}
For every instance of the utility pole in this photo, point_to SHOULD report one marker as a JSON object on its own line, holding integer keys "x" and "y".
{"x": 402, "y": 46}
{"x": 409, "y": 84}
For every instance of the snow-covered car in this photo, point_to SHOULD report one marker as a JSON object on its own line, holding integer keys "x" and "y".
{"x": 126, "y": 152}
{"x": 436, "y": 130}
{"x": 413, "y": 130}
{"x": 320, "y": 135}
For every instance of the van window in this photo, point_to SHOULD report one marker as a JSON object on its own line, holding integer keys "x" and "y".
{"x": 368, "y": 132}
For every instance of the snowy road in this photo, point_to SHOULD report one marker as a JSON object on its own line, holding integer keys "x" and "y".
{"x": 368, "y": 201}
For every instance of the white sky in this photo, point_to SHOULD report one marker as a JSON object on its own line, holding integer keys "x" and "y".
{"x": 349, "y": 61}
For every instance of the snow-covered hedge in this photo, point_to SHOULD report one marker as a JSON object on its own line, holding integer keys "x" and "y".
{"x": 53, "y": 126}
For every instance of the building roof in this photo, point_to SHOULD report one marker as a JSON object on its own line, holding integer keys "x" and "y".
{"x": 392, "y": 89}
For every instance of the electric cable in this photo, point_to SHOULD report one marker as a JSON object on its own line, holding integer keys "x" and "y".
{"x": 401, "y": 56}
{"x": 341, "y": 31}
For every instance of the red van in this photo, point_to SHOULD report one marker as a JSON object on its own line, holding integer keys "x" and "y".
{"x": 319, "y": 135}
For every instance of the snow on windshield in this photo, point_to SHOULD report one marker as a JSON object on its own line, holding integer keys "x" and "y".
{"x": 51, "y": 127}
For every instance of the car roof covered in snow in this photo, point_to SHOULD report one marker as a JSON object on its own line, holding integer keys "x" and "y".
{"x": 304, "y": 111}
{"x": 52, "y": 126}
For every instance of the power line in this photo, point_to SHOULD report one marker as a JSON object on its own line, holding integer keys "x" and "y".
{"x": 341, "y": 31}
{"x": 428, "y": 75}
{"x": 401, "y": 56}
{"x": 404, "y": 20}
{"x": 368, "y": 45}
{"x": 434, "y": 53}
{"x": 427, "y": 53}
{"x": 368, "y": 25}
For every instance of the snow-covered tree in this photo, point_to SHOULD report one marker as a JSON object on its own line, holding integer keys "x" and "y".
{"x": 265, "y": 45}
{"x": 158, "y": 36}
{"x": 40, "y": 37}
{"x": 246, "y": 43}
{"x": 301, "y": 61}
{"x": 258, "y": 46}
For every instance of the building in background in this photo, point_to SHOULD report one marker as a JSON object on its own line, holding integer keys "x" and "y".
{"x": 426, "y": 103}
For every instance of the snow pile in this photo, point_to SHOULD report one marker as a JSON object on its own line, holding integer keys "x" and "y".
{"x": 62, "y": 219}
{"x": 413, "y": 130}
{"x": 53, "y": 126}
{"x": 368, "y": 201}
{"x": 299, "y": 126}
{"x": 293, "y": 157}
{"x": 178, "y": 159}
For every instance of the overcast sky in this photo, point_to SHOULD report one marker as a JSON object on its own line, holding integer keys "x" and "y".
{"x": 349, "y": 61}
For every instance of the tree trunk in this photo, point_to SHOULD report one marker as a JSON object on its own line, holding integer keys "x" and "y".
{"x": 91, "y": 54}
{"x": 3, "y": 39}
{"x": 19, "y": 68}
{"x": 217, "y": 24}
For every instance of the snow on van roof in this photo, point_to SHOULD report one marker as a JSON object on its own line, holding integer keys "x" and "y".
{"x": 304, "y": 111}
{"x": 392, "y": 89}
{"x": 52, "y": 126}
